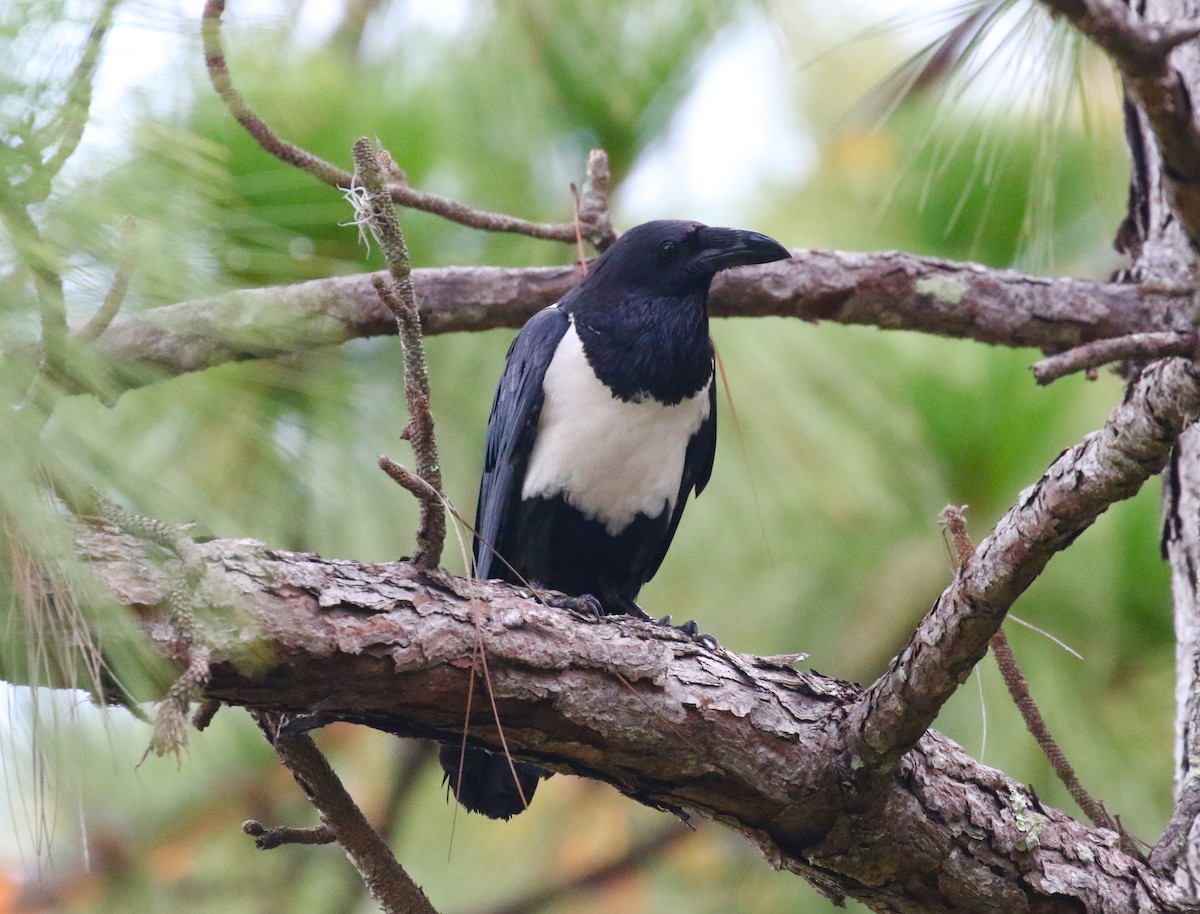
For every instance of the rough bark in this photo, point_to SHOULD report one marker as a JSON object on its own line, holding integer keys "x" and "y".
{"x": 845, "y": 787}
{"x": 749, "y": 742}
{"x": 774, "y": 753}
{"x": 889, "y": 289}
{"x": 1161, "y": 232}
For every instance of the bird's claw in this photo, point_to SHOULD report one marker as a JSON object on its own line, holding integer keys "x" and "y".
{"x": 708, "y": 641}
{"x": 691, "y": 628}
{"x": 585, "y": 606}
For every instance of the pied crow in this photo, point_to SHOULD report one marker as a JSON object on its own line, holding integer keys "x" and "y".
{"x": 605, "y": 421}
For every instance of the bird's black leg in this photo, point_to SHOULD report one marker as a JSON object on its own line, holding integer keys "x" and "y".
{"x": 617, "y": 605}
{"x": 595, "y": 608}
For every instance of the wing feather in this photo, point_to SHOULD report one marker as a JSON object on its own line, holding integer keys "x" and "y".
{"x": 512, "y": 428}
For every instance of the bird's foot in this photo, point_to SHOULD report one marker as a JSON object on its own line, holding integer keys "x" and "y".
{"x": 691, "y": 628}
{"x": 593, "y": 609}
{"x": 585, "y": 606}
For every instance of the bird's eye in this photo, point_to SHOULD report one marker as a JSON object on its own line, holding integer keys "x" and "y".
{"x": 668, "y": 251}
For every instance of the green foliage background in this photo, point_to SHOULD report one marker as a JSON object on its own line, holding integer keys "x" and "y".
{"x": 817, "y": 534}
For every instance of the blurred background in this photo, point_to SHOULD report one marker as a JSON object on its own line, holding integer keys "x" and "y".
{"x": 854, "y": 128}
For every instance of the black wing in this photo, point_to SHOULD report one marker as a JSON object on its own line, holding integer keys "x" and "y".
{"x": 697, "y": 469}
{"x": 512, "y": 428}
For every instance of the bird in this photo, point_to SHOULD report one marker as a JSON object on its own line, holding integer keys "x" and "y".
{"x": 603, "y": 425}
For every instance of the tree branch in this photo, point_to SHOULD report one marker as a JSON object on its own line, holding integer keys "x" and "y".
{"x": 1177, "y": 853}
{"x": 387, "y": 881}
{"x": 396, "y": 292}
{"x": 1139, "y": 346}
{"x": 115, "y": 297}
{"x": 664, "y": 719}
{"x": 1163, "y": 248}
{"x": 889, "y": 289}
{"x": 1141, "y": 50}
{"x": 1108, "y": 466}
{"x": 267, "y": 839}
{"x": 954, "y": 522}
{"x": 595, "y": 222}
{"x": 66, "y": 129}
{"x": 327, "y": 172}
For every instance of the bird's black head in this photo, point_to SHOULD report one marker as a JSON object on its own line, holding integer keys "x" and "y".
{"x": 668, "y": 257}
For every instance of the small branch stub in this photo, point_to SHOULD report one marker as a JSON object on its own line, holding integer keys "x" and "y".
{"x": 266, "y": 839}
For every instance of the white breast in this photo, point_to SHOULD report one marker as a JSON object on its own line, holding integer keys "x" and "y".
{"x": 609, "y": 458}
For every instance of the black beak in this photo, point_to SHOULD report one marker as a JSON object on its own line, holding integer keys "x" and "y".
{"x": 722, "y": 248}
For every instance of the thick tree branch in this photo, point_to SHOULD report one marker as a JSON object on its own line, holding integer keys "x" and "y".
{"x": 1142, "y": 51}
{"x": 1160, "y": 234}
{"x": 890, "y": 290}
{"x": 1178, "y": 851}
{"x": 1109, "y": 465}
{"x": 667, "y": 721}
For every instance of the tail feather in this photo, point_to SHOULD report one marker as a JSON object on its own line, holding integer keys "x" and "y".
{"x": 485, "y": 784}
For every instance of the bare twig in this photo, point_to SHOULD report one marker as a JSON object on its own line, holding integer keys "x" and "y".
{"x": 35, "y": 254}
{"x": 411, "y": 758}
{"x": 400, "y": 298}
{"x": 408, "y": 480}
{"x": 72, "y": 117}
{"x": 1140, "y": 346}
{"x": 1109, "y": 465}
{"x": 430, "y": 537}
{"x": 955, "y": 523}
{"x": 953, "y": 519}
{"x": 387, "y": 881}
{"x": 218, "y": 74}
{"x": 1035, "y": 723}
{"x": 266, "y": 839}
{"x": 115, "y": 297}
